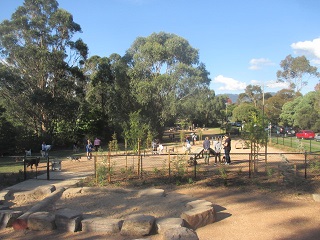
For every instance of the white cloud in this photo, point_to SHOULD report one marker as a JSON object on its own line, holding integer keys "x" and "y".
{"x": 258, "y": 63}
{"x": 229, "y": 84}
{"x": 308, "y": 48}
{"x": 273, "y": 84}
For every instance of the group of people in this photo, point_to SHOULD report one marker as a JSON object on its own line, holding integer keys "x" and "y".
{"x": 218, "y": 145}
{"x": 92, "y": 147}
{"x": 192, "y": 138}
{"x": 157, "y": 147}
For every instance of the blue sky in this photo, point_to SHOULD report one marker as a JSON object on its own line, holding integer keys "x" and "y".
{"x": 240, "y": 42}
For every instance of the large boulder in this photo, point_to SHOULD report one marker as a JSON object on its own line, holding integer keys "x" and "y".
{"x": 199, "y": 216}
{"x": 180, "y": 233}
{"x": 166, "y": 223}
{"x": 138, "y": 225}
{"x": 102, "y": 225}
{"x": 41, "y": 221}
{"x": 7, "y": 217}
{"x": 68, "y": 220}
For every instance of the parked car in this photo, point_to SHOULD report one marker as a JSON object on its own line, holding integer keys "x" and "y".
{"x": 305, "y": 134}
{"x": 289, "y": 131}
{"x": 317, "y": 137}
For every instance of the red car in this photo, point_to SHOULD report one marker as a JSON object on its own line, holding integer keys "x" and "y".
{"x": 305, "y": 134}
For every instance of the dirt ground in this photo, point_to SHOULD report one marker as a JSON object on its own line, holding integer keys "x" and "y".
{"x": 242, "y": 213}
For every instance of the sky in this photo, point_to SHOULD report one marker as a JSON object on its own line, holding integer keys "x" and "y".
{"x": 241, "y": 42}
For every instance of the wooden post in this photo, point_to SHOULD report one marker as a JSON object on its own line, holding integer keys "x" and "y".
{"x": 138, "y": 172}
{"x": 305, "y": 164}
{"x": 126, "y": 153}
{"x": 169, "y": 164}
{"x": 109, "y": 166}
{"x": 48, "y": 166}
{"x": 25, "y": 168}
{"x": 95, "y": 168}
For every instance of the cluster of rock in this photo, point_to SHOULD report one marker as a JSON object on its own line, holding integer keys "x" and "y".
{"x": 198, "y": 214}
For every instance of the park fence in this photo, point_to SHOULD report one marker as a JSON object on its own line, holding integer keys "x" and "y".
{"x": 173, "y": 167}
{"x": 281, "y": 167}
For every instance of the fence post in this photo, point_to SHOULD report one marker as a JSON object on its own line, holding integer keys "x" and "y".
{"x": 305, "y": 164}
{"x": 169, "y": 165}
{"x": 195, "y": 168}
{"x": 138, "y": 172}
{"x": 250, "y": 165}
{"x": 95, "y": 168}
{"x": 48, "y": 164}
{"x": 310, "y": 146}
{"x": 109, "y": 166}
{"x": 126, "y": 153}
{"x": 25, "y": 168}
{"x": 141, "y": 166}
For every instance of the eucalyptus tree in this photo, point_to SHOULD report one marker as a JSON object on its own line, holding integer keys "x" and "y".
{"x": 295, "y": 72}
{"x": 253, "y": 94}
{"x": 273, "y": 105}
{"x": 287, "y": 116}
{"x": 108, "y": 95}
{"x": 43, "y": 62}
{"x": 306, "y": 114}
{"x": 244, "y": 112}
{"x": 165, "y": 73}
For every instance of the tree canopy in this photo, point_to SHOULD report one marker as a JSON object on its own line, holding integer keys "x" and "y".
{"x": 165, "y": 74}
{"x": 44, "y": 79}
{"x": 294, "y": 72}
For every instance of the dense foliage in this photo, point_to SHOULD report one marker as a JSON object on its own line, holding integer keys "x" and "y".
{"x": 50, "y": 91}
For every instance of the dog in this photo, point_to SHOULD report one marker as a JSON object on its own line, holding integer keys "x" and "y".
{"x": 32, "y": 161}
{"x": 74, "y": 158}
{"x": 28, "y": 152}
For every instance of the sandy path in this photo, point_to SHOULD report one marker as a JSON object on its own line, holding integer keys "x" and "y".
{"x": 241, "y": 214}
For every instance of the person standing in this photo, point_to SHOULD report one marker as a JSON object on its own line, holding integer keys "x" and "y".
{"x": 44, "y": 149}
{"x": 97, "y": 143}
{"x": 89, "y": 148}
{"x": 206, "y": 150}
{"x": 217, "y": 151}
{"x": 227, "y": 148}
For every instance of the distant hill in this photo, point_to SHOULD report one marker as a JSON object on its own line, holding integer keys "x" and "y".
{"x": 233, "y": 97}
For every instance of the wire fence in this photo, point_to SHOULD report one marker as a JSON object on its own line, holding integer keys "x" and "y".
{"x": 174, "y": 167}
{"x": 280, "y": 166}
{"x": 309, "y": 145}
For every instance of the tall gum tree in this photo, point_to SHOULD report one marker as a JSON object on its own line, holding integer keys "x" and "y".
{"x": 36, "y": 45}
{"x": 295, "y": 72}
{"x": 165, "y": 70}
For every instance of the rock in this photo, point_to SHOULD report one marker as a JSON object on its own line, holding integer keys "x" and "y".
{"x": 151, "y": 192}
{"x": 198, "y": 203}
{"x": 22, "y": 221}
{"x": 7, "y": 217}
{"x": 71, "y": 191}
{"x": 181, "y": 233}
{"x": 45, "y": 190}
{"x": 199, "y": 217}
{"x": 68, "y": 220}
{"x": 165, "y": 223}
{"x": 316, "y": 197}
{"x": 41, "y": 221}
{"x": 138, "y": 225}
{"x": 99, "y": 224}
